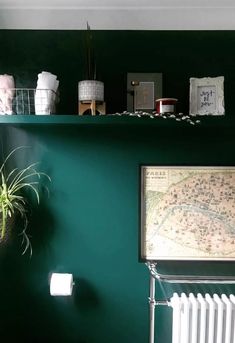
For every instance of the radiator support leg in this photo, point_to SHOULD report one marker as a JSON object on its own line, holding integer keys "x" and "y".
{"x": 152, "y": 304}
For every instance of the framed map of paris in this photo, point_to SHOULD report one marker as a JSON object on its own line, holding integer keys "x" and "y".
{"x": 187, "y": 213}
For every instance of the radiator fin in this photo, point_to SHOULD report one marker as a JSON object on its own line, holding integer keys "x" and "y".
{"x": 203, "y": 319}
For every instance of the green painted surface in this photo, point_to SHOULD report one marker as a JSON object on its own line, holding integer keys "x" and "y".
{"x": 89, "y": 225}
{"x": 178, "y": 55}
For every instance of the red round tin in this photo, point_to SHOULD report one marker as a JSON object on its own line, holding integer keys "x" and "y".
{"x": 166, "y": 105}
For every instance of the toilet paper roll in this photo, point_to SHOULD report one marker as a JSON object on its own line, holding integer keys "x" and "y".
{"x": 61, "y": 284}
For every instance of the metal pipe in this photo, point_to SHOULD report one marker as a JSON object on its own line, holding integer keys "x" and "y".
{"x": 152, "y": 304}
{"x": 189, "y": 279}
{"x": 202, "y": 279}
{"x": 162, "y": 302}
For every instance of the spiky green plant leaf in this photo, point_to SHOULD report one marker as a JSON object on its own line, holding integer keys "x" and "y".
{"x": 12, "y": 200}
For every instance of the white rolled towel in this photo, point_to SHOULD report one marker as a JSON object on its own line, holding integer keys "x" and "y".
{"x": 44, "y": 101}
{"x": 45, "y": 94}
{"x": 7, "y": 92}
{"x": 47, "y": 80}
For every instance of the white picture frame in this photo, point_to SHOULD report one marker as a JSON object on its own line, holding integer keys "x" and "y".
{"x": 207, "y": 96}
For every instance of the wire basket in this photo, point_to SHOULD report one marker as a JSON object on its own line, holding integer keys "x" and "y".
{"x": 27, "y": 101}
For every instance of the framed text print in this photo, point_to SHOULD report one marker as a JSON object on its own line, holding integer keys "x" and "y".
{"x": 207, "y": 96}
{"x": 187, "y": 213}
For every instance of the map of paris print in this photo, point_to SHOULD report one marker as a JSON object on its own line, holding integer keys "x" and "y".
{"x": 187, "y": 213}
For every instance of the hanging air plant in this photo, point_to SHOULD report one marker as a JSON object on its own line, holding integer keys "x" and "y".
{"x": 12, "y": 200}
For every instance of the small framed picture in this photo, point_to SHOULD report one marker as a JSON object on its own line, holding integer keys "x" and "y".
{"x": 187, "y": 213}
{"x": 207, "y": 96}
{"x": 142, "y": 91}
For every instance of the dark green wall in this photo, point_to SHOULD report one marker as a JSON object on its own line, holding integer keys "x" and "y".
{"x": 89, "y": 225}
{"x": 178, "y": 55}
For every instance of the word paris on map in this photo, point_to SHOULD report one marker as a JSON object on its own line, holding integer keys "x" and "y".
{"x": 187, "y": 213}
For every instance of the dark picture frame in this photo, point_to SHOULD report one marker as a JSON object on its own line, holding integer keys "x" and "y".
{"x": 142, "y": 91}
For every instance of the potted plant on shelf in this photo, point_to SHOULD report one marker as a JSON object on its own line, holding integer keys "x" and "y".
{"x": 90, "y": 89}
{"x": 14, "y": 202}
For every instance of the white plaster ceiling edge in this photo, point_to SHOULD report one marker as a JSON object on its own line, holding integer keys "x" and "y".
{"x": 153, "y": 18}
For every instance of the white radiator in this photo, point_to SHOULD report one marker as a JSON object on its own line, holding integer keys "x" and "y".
{"x": 203, "y": 319}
